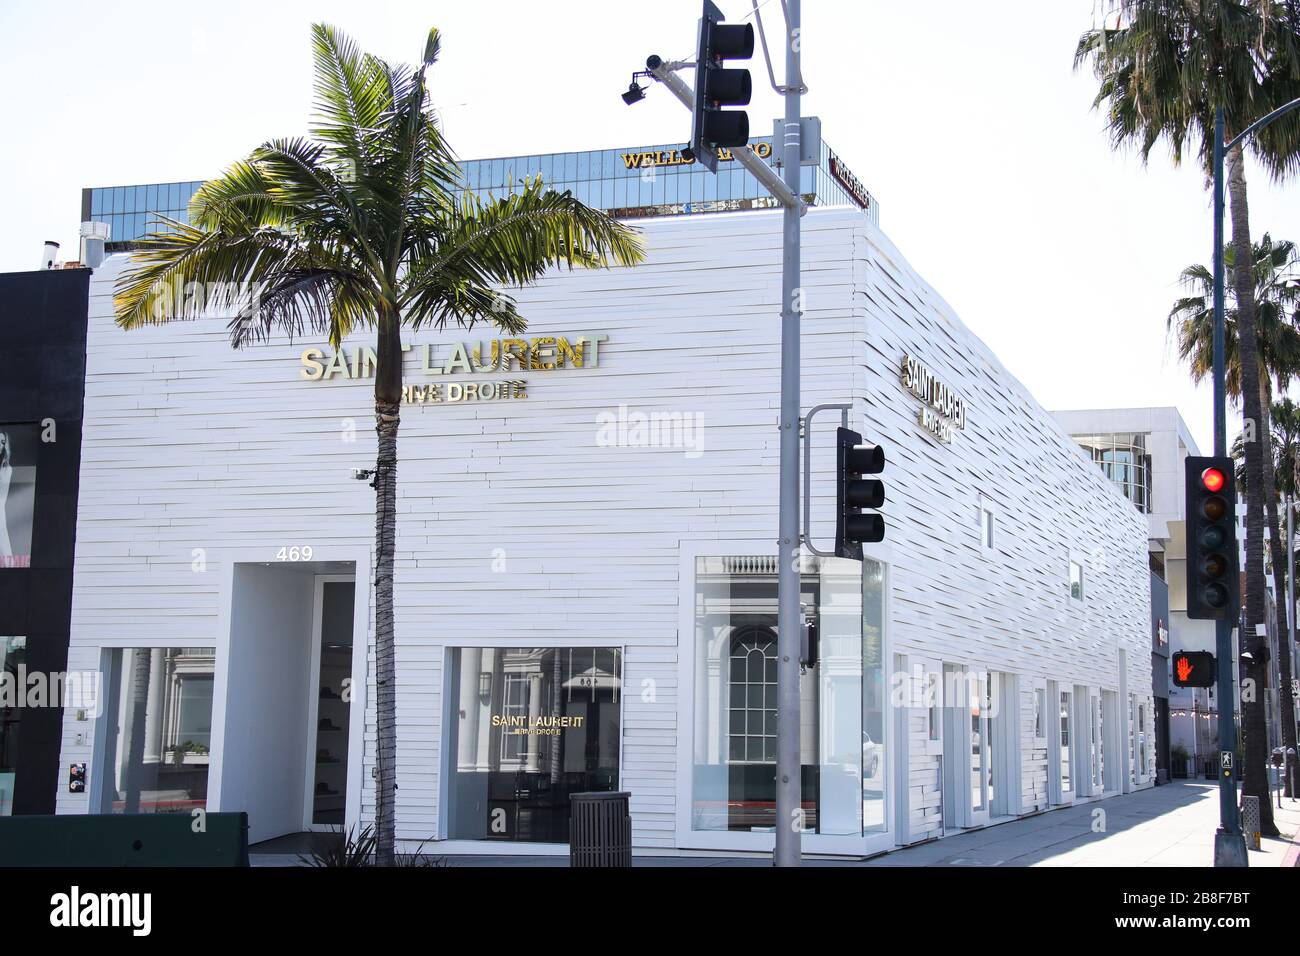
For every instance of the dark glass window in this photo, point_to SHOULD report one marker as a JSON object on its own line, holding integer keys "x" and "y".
{"x": 13, "y": 652}
{"x": 529, "y": 727}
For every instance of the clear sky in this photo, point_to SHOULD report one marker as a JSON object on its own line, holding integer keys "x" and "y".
{"x": 965, "y": 120}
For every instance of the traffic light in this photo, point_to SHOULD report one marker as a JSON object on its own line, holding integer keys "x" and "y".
{"x": 717, "y": 86}
{"x": 853, "y": 459}
{"x": 1194, "y": 669}
{"x": 1211, "y": 538}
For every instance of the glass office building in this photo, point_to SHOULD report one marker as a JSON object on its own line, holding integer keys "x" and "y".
{"x": 627, "y": 183}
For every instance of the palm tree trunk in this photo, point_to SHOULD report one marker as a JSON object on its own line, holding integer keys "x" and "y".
{"x": 388, "y": 398}
{"x": 1277, "y": 555}
{"x": 1255, "y": 677}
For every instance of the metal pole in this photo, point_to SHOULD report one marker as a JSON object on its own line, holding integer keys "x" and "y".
{"x": 1288, "y": 700}
{"x": 789, "y": 808}
{"x": 1229, "y": 844}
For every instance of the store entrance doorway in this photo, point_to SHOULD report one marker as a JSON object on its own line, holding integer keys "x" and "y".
{"x": 285, "y": 743}
{"x": 968, "y": 785}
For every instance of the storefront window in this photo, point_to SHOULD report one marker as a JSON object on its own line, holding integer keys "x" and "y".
{"x": 530, "y": 727}
{"x": 873, "y": 695}
{"x": 159, "y": 703}
{"x": 842, "y": 735}
{"x": 13, "y": 654}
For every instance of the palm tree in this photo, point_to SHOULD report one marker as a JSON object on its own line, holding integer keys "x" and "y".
{"x": 1163, "y": 69}
{"x": 357, "y": 228}
{"x": 1286, "y": 446}
{"x": 1286, "y": 467}
{"x": 1277, "y": 295}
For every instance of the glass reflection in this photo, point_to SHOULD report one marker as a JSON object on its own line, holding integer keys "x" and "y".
{"x": 160, "y": 704}
{"x": 530, "y": 727}
{"x": 13, "y": 655}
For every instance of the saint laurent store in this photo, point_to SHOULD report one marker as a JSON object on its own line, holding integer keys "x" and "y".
{"x": 586, "y": 577}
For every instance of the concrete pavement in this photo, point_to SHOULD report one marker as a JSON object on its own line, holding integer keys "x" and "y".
{"x": 1171, "y": 825}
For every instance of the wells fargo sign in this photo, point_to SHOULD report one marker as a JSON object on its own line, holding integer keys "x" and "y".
{"x": 673, "y": 157}
{"x": 542, "y": 353}
{"x": 852, "y": 185}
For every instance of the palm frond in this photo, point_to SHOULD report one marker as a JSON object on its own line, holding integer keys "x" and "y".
{"x": 352, "y": 93}
{"x": 514, "y": 240}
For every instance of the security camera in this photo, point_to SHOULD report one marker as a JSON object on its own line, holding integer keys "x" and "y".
{"x": 363, "y": 474}
{"x": 635, "y": 92}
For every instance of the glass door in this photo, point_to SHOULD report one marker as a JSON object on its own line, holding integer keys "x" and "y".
{"x": 981, "y": 749}
{"x": 1098, "y": 743}
{"x": 1065, "y": 736}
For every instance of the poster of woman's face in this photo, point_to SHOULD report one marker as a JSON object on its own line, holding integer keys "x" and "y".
{"x": 18, "y": 448}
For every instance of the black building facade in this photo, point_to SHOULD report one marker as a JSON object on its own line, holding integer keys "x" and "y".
{"x": 42, "y": 386}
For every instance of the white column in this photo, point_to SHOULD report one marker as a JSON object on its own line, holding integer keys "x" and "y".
{"x": 533, "y": 763}
{"x": 471, "y": 664}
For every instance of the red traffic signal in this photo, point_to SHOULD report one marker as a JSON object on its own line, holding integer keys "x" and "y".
{"x": 1193, "y": 669}
{"x": 1211, "y": 537}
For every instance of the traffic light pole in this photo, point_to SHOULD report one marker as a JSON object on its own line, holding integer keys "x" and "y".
{"x": 786, "y": 188}
{"x": 789, "y": 801}
{"x": 1229, "y": 843}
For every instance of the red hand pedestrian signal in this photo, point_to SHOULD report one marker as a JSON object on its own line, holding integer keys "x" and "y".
{"x": 1194, "y": 669}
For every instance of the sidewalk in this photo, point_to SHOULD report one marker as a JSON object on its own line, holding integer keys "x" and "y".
{"x": 1172, "y": 825}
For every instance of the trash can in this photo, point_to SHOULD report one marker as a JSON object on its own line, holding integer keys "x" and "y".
{"x": 1250, "y": 821}
{"x": 600, "y": 829}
